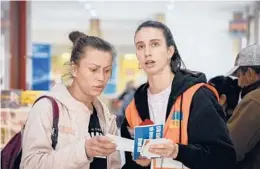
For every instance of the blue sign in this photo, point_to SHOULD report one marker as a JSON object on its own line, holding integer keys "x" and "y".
{"x": 41, "y": 67}
{"x": 111, "y": 85}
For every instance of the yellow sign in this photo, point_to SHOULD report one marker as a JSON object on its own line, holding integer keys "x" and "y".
{"x": 29, "y": 96}
{"x": 129, "y": 71}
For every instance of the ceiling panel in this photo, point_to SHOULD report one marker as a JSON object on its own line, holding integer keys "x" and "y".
{"x": 53, "y": 20}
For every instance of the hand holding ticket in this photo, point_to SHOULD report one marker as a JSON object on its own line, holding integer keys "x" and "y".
{"x": 122, "y": 144}
{"x": 147, "y": 143}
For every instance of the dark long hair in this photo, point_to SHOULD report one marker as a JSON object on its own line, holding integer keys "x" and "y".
{"x": 176, "y": 61}
{"x": 229, "y": 87}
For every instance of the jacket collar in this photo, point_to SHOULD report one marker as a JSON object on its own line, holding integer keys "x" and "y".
{"x": 61, "y": 94}
{"x": 183, "y": 79}
{"x": 250, "y": 88}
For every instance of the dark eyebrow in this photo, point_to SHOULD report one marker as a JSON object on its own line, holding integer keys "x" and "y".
{"x": 94, "y": 64}
{"x": 155, "y": 40}
{"x": 139, "y": 42}
{"x": 99, "y": 65}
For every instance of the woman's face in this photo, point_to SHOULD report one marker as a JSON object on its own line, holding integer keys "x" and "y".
{"x": 93, "y": 71}
{"x": 151, "y": 50}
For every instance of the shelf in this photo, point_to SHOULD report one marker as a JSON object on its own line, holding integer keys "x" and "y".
{"x": 21, "y": 109}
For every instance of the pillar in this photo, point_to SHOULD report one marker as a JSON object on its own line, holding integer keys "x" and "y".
{"x": 160, "y": 17}
{"x": 257, "y": 22}
{"x": 94, "y": 28}
{"x": 239, "y": 29}
{"x": 18, "y": 16}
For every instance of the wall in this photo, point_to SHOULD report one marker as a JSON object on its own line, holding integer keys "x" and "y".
{"x": 259, "y": 27}
{"x": 201, "y": 35}
{"x": 5, "y": 45}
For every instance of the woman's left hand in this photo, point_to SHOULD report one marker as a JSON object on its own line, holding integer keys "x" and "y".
{"x": 167, "y": 150}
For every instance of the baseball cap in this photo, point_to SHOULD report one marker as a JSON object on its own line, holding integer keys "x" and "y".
{"x": 248, "y": 56}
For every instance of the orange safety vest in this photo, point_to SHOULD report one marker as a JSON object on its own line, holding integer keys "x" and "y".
{"x": 176, "y": 125}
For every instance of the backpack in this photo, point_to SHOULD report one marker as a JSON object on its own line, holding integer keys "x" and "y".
{"x": 12, "y": 152}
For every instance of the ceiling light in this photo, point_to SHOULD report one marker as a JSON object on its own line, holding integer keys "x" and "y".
{"x": 87, "y": 6}
{"x": 170, "y": 7}
{"x": 82, "y": 0}
{"x": 93, "y": 13}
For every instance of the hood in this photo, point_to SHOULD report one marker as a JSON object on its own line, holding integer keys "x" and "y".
{"x": 60, "y": 93}
{"x": 183, "y": 79}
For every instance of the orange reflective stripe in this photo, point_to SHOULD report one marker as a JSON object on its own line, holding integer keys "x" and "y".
{"x": 132, "y": 115}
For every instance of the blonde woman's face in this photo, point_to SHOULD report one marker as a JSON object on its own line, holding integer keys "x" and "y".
{"x": 93, "y": 71}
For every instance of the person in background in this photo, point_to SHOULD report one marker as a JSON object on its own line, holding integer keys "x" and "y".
{"x": 123, "y": 100}
{"x": 181, "y": 100}
{"x": 83, "y": 118}
{"x": 228, "y": 91}
{"x": 244, "y": 124}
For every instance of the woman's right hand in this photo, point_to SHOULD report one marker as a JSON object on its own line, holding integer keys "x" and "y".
{"x": 99, "y": 146}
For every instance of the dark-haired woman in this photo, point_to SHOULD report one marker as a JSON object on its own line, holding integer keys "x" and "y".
{"x": 181, "y": 100}
{"x": 83, "y": 118}
{"x": 228, "y": 91}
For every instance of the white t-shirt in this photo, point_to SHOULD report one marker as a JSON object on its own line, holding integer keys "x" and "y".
{"x": 157, "y": 104}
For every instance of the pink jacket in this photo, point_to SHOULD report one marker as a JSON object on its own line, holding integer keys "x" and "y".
{"x": 73, "y": 131}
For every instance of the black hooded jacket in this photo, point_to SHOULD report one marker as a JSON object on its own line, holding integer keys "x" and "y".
{"x": 209, "y": 145}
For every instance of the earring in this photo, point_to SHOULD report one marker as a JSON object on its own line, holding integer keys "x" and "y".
{"x": 139, "y": 66}
{"x": 73, "y": 73}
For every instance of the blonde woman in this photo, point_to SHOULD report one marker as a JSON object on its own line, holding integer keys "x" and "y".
{"x": 83, "y": 118}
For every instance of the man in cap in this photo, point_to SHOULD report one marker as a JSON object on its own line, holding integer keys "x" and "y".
{"x": 244, "y": 125}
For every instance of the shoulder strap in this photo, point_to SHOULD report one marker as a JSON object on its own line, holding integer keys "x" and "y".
{"x": 55, "y": 112}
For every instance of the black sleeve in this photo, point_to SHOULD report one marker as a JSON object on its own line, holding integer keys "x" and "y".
{"x": 210, "y": 146}
{"x": 129, "y": 163}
